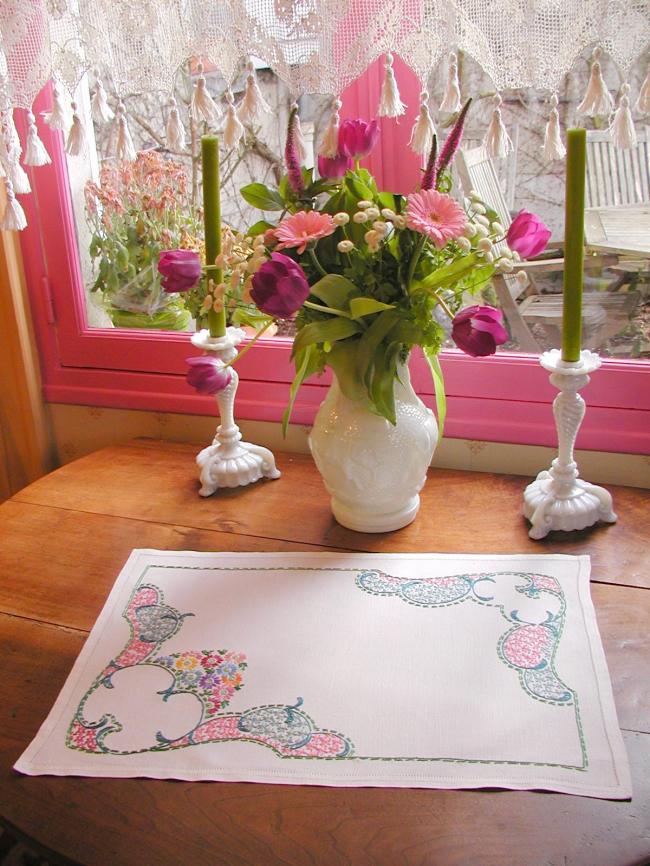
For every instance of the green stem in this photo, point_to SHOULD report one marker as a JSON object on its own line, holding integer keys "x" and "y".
{"x": 443, "y": 305}
{"x": 248, "y": 345}
{"x": 312, "y": 255}
{"x": 323, "y": 309}
{"x": 414, "y": 260}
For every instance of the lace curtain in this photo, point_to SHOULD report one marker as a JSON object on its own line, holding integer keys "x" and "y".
{"x": 316, "y": 46}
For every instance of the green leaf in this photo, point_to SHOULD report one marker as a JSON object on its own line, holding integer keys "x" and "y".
{"x": 370, "y": 340}
{"x": 343, "y": 361}
{"x": 438, "y": 386}
{"x": 387, "y": 199}
{"x": 358, "y": 189}
{"x": 478, "y": 278}
{"x": 334, "y": 290}
{"x": 306, "y": 364}
{"x": 360, "y": 307}
{"x": 262, "y": 197}
{"x": 449, "y": 274}
{"x": 382, "y": 388}
{"x": 258, "y": 228}
{"x": 328, "y": 330}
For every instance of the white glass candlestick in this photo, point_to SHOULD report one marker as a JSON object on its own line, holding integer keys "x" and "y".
{"x": 558, "y": 498}
{"x": 229, "y": 462}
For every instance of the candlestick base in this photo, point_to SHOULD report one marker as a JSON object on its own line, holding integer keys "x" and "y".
{"x": 229, "y": 462}
{"x": 558, "y": 498}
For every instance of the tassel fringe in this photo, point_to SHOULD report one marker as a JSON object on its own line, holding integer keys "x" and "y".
{"x": 299, "y": 138}
{"x": 390, "y": 104}
{"x": 58, "y": 117}
{"x": 14, "y": 217}
{"x": 76, "y": 143}
{"x": 175, "y": 129}
{"x": 329, "y": 146}
{"x": 622, "y": 129}
{"x": 203, "y": 106}
{"x": 553, "y": 148}
{"x": 497, "y": 141}
{"x": 423, "y": 129}
{"x": 597, "y": 101}
{"x": 642, "y": 105}
{"x": 451, "y": 103}
{"x": 125, "y": 148}
{"x": 234, "y": 129}
{"x": 101, "y": 110}
{"x": 35, "y": 151}
{"x": 253, "y": 105}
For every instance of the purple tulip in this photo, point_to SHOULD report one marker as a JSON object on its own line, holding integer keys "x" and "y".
{"x": 479, "y": 330}
{"x": 357, "y": 138}
{"x": 280, "y": 287}
{"x": 181, "y": 270}
{"x": 335, "y": 166}
{"x": 527, "y": 235}
{"x": 208, "y": 375}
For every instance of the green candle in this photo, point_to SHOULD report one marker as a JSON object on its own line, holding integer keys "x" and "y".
{"x": 212, "y": 224}
{"x": 574, "y": 239}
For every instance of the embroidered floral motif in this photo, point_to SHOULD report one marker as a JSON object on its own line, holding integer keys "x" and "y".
{"x": 528, "y": 648}
{"x": 212, "y": 676}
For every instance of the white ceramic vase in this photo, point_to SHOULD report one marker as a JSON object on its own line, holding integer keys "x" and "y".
{"x": 374, "y": 470}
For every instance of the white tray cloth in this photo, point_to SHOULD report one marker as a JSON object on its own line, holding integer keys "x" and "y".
{"x": 420, "y": 670}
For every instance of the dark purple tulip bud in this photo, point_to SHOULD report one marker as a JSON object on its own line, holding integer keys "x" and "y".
{"x": 479, "y": 330}
{"x": 527, "y": 235}
{"x": 335, "y": 166}
{"x": 280, "y": 287}
{"x": 180, "y": 269}
{"x": 208, "y": 375}
{"x": 357, "y": 138}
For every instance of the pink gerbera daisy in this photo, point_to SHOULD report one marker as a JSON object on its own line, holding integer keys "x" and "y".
{"x": 436, "y": 215}
{"x": 302, "y": 227}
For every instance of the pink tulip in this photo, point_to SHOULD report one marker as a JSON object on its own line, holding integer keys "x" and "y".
{"x": 208, "y": 375}
{"x": 280, "y": 287}
{"x": 335, "y": 166}
{"x": 527, "y": 235}
{"x": 181, "y": 270}
{"x": 357, "y": 138}
{"x": 479, "y": 330}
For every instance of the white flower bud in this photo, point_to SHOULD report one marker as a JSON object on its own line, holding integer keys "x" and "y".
{"x": 464, "y": 244}
{"x": 484, "y": 245}
{"x": 522, "y": 278}
{"x": 345, "y": 246}
{"x": 363, "y": 204}
{"x": 380, "y": 227}
{"x": 481, "y": 231}
{"x": 515, "y": 256}
{"x": 373, "y": 213}
{"x": 341, "y": 218}
{"x": 399, "y": 222}
{"x": 478, "y": 208}
{"x": 220, "y": 261}
{"x": 474, "y": 195}
{"x": 482, "y": 220}
{"x": 388, "y": 214}
{"x": 497, "y": 228}
{"x": 470, "y": 230}
{"x": 489, "y": 257}
{"x": 372, "y": 239}
{"x": 360, "y": 217}
{"x": 505, "y": 265}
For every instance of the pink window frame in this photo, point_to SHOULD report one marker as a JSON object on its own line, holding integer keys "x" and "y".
{"x": 504, "y": 398}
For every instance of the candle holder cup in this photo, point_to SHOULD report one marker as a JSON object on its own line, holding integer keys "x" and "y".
{"x": 558, "y": 498}
{"x": 229, "y": 462}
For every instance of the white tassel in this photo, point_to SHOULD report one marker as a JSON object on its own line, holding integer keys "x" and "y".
{"x": 18, "y": 178}
{"x": 390, "y": 104}
{"x": 10, "y": 135}
{"x": 329, "y": 145}
{"x": 14, "y": 217}
{"x": 642, "y": 105}
{"x": 451, "y": 103}
{"x": 423, "y": 129}
{"x": 299, "y": 138}
{"x": 203, "y": 106}
{"x": 597, "y": 101}
{"x": 101, "y": 110}
{"x": 553, "y": 148}
{"x": 59, "y": 117}
{"x": 35, "y": 151}
{"x": 234, "y": 129}
{"x": 125, "y": 148}
{"x": 622, "y": 129}
{"x": 497, "y": 141}
{"x": 253, "y": 105}
{"x": 10, "y": 150}
{"x": 76, "y": 143}
{"x": 175, "y": 129}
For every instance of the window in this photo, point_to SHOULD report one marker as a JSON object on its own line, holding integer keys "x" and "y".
{"x": 503, "y": 398}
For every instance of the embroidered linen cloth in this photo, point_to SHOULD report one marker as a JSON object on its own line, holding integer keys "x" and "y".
{"x": 420, "y": 670}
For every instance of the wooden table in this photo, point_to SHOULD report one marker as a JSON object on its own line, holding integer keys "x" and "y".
{"x": 624, "y": 230}
{"x": 63, "y": 541}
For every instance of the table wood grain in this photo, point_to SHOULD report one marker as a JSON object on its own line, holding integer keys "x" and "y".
{"x": 64, "y": 539}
